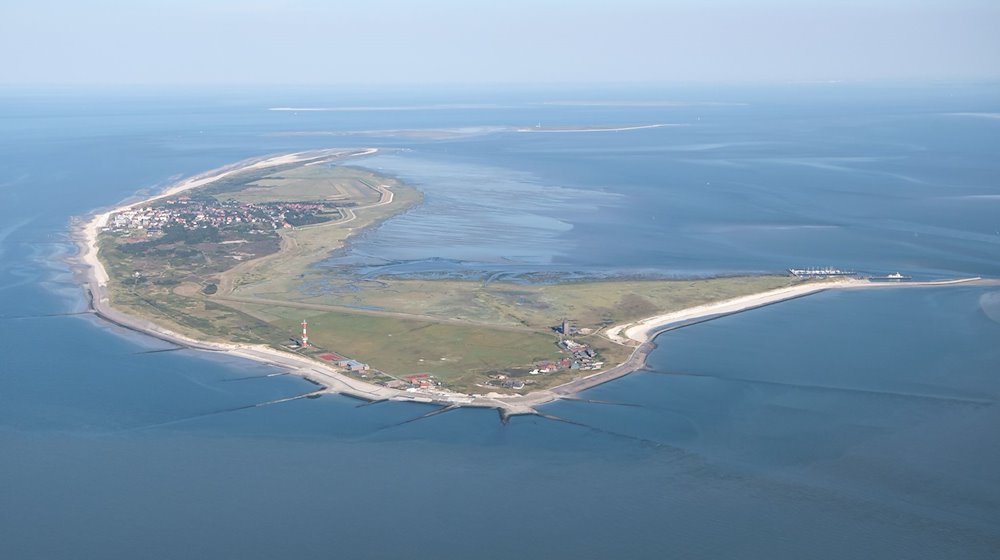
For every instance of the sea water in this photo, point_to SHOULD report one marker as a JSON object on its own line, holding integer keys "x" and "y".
{"x": 848, "y": 424}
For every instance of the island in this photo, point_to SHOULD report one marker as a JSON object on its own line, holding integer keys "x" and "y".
{"x": 228, "y": 262}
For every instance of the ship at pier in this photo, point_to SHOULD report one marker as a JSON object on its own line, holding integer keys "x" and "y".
{"x": 895, "y": 276}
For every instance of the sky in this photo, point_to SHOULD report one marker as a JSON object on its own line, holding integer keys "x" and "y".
{"x": 231, "y": 42}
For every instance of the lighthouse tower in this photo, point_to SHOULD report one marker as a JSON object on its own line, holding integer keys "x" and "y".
{"x": 305, "y": 335}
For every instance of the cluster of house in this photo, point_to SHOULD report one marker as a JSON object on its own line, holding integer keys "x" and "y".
{"x": 583, "y": 358}
{"x": 201, "y": 213}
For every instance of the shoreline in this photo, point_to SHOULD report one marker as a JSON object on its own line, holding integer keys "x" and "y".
{"x": 639, "y": 334}
{"x": 642, "y": 334}
{"x": 599, "y": 129}
{"x": 645, "y": 330}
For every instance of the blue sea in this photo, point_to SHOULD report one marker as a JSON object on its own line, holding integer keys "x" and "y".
{"x": 843, "y": 425}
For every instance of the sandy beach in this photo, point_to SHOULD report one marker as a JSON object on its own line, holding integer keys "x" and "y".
{"x": 645, "y": 330}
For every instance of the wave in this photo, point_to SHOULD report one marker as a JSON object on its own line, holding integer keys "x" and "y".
{"x": 971, "y": 197}
{"x": 367, "y": 108}
{"x": 991, "y": 116}
{"x": 644, "y": 104}
{"x": 736, "y": 228}
{"x": 599, "y": 128}
{"x": 419, "y": 133}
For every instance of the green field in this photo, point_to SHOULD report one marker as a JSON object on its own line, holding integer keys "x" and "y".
{"x": 479, "y": 330}
{"x": 586, "y": 304}
{"x": 350, "y": 186}
{"x": 458, "y": 354}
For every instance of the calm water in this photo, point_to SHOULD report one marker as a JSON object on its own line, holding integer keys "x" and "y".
{"x": 857, "y": 425}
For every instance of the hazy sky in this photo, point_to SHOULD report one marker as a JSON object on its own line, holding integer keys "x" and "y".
{"x": 448, "y": 41}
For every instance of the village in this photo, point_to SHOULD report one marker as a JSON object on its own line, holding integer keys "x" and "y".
{"x": 576, "y": 357}
{"x": 581, "y": 357}
{"x": 191, "y": 214}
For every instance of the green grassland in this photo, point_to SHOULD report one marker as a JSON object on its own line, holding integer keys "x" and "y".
{"x": 586, "y": 304}
{"x": 463, "y": 331}
{"x": 349, "y": 186}
{"x": 245, "y": 286}
{"x": 459, "y": 355}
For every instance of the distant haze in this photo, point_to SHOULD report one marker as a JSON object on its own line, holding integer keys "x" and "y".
{"x": 180, "y": 42}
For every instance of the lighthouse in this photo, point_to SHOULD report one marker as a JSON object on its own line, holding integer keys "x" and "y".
{"x": 305, "y": 335}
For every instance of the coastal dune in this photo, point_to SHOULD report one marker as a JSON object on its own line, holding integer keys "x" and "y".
{"x": 640, "y": 332}
{"x": 644, "y": 330}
